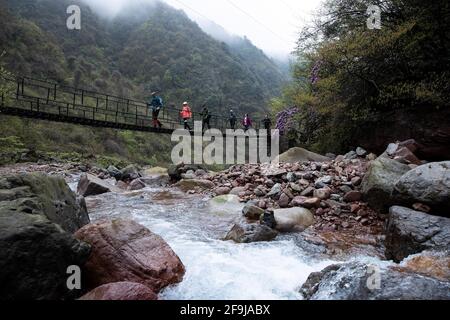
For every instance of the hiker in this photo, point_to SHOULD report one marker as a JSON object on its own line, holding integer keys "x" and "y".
{"x": 186, "y": 114}
{"x": 206, "y": 117}
{"x": 156, "y": 104}
{"x": 233, "y": 120}
{"x": 267, "y": 122}
{"x": 247, "y": 122}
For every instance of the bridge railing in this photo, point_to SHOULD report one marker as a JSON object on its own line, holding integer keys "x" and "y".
{"x": 46, "y": 97}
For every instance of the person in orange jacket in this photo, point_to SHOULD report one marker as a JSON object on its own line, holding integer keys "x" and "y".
{"x": 186, "y": 114}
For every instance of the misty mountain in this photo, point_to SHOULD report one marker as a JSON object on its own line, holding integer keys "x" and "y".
{"x": 144, "y": 48}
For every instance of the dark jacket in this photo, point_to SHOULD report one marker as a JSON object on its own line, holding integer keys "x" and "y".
{"x": 156, "y": 103}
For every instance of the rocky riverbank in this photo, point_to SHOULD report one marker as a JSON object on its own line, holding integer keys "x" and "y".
{"x": 393, "y": 207}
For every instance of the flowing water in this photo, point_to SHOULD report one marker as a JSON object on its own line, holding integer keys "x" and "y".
{"x": 215, "y": 269}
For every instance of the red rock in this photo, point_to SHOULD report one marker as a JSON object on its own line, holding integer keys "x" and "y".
{"x": 284, "y": 200}
{"x": 311, "y": 203}
{"x": 322, "y": 194}
{"x": 356, "y": 181}
{"x": 298, "y": 201}
{"x": 122, "y": 185}
{"x": 222, "y": 191}
{"x": 123, "y": 250}
{"x": 136, "y": 184}
{"x": 421, "y": 207}
{"x": 353, "y": 196}
{"x": 355, "y": 207}
{"x": 405, "y": 155}
{"x": 121, "y": 291}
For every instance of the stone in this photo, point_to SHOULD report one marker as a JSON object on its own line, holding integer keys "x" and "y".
{"x": 284, "y": 200}
{"x": 247, "y": 233}
{"x": 275, "y": 191}
{"x": 291, "y": 177}
{"x": 252, "y": 212}
{"x": 428, "y": 184}
{"x": 311, "y": 203}
{"x": 379, "y": 181}
{"x": 121, "y": 291}
{"x": 136, "y": 184}
{"x": 308, "y": 192}
{"x": 404, "y": 155}
{"x": 222, "y": 191}
{"x": 123, "y": 250}
{"x": 434, "y": 264}
{"x": 295, "y": 187}
{"x": 351, "y": 155}
{"x": 356, "y": 181}
{"x": 122, "y": 185}
{"x": 155, "y": 171}
{"x": 130, "y": 173}
{"x": 392, "y": 149}
{"x": 298, "y": 201}
{"x": 409, "y": 232}
{"x": 353, "y": 196}
{"x": 323, "y": 181}
{"x": 293, "y": 219}
{"x": 90, "y": 185}
{"x": 421, "y": 207}
{"x": 38, "y": 214}
{"x": 114, "y": 172}
{"x": 294, "y": 155}
{"x": 259, "y": 192}
{"x": 225, "y": 205}
{"x": 193, "y": 184}
{"x": 322, "y": 194}
{"x": 361, "y": 152}
{"x": 237, "y": 191}
{"x": 349, "y": 282}
{"x": 268, "y": 219}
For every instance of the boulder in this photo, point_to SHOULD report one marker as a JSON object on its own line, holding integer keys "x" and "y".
{"x": 276, "y": 190}
{"x": 252, "y": 212}
{"x": 195, "y": 184}
{"x": 222, "y": 191}
{"x": 237, "y": 191}
{"x": 352, "y": 196}
{"x": 300, "y": 155}
{"x": 90, "y": 185}
{"x": 246, "y": 233}
{"x": 155, "y": 171}
{"x": 130, "y": 173}
{"x": 293, "y": 219}
{"x": 404, "y": 155}
{"x": 428, "y": 184}
{"x": 114, "y": 172}
{"x": 38, "y": 215}
{"x": 123, "y": 250}
{"x": 354, "y": 281}
{"x": 409, "y": 232}
{"x": 379, "y": 181}
{"x": 136, "y": 184}
{"x": 121, "y": 291}
{"x": 435, "y": 264}
{"x": 361, "y": 152}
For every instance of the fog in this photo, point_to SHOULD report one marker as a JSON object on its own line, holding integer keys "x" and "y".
{"x": 272, "y": 25}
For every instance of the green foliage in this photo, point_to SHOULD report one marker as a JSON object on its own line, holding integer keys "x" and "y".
{"x": 348, "y": 77}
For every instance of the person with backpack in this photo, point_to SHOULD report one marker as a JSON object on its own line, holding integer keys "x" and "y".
{"x": 156, "y": 104}
{"x": 186, "y": 115}
{"x": 267, "y": 123}
{"x": 247, "y": 122}
{"x": 206, "y": 118}
{"x": 233, "y": 120}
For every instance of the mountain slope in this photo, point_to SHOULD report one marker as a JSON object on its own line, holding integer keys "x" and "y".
{"x": 145, "y": 48}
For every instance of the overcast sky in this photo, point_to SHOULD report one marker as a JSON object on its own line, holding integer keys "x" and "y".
{"x": 272, "y": 25}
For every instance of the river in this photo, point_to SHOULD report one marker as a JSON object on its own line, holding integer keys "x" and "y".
{"x": 215, "y": 269}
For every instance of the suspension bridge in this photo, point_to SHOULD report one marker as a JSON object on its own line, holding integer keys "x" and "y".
{"x": 47, "y": 100}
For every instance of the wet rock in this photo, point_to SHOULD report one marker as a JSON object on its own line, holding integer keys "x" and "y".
{"x": 38, "y": 215}
{"x": 300, "y": 155}
{"x": 247, "y": 233}
{"x": 428, "y": 263}
{"x": 121, "y": 291}
{"x": 404, "y": 155}
{"x": 222, "y": 191}
{"x": 123, "y": 250}
{"x": 90, "y": 185}
{"x": 122, "y": 185}
{"x": 194, "y": 184}
{"x": 114, "y": 172}
{"x": 353, "y": 281}
{"x": 293, "y": 219}
{"x": 252, "y": 212}
{"x": 136, "y": 184}
{"x": 268, "y": 219}
{"x": 379, "y": 181}
{"x": 410, "y": 232}
{"x": 237, "y": 191}
{"x": 130, "y": 173}
{"x": 225, "y": 205}
{"x": 361, "y": 152}
{"x": 353, "y": 196}
{"x": 428, "y": 184}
